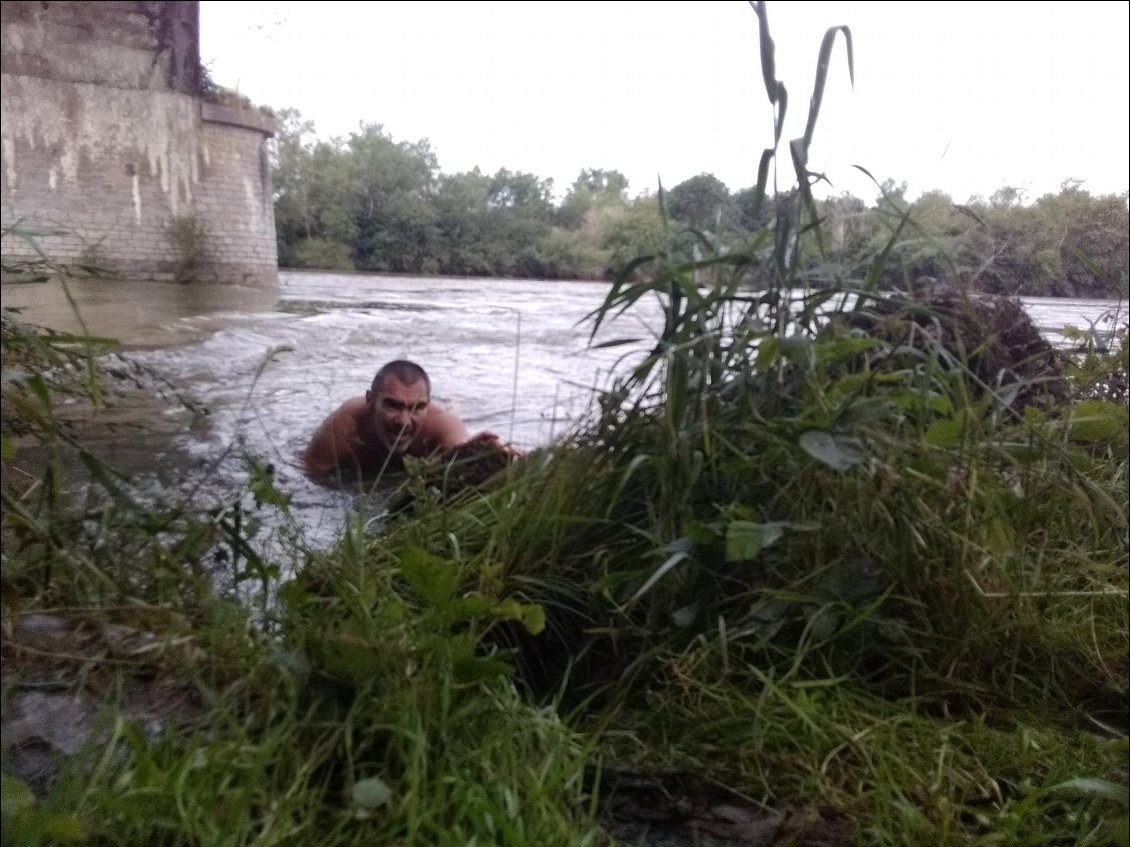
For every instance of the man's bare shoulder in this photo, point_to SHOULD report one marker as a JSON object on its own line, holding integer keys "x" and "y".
{"x": 438, "y": 415}
{"x": 447, "y": 430}
{"x": 353, "y": 406}
{"x": 334, "y": 441}
{"x": 346, "y": 419}
{"x": 442, "y": 428}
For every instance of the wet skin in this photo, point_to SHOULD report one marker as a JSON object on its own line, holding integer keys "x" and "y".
{"x": 397, "y": 413}
{"x": 367, "y": 434}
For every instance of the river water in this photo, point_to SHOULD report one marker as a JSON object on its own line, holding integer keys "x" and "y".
{"x": 509, "y": 356}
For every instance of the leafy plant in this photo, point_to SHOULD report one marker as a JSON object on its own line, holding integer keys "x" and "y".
{"x": 190, "y": 242}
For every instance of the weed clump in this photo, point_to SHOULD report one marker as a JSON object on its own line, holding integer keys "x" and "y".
{"x": 193, "y": 260}
{"x": 992, "y": 336}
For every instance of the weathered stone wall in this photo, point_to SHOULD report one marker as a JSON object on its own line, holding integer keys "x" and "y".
{"x": 110, "y": 158}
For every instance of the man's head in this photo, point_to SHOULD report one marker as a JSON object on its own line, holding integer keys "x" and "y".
{"x": 398, "y": 401}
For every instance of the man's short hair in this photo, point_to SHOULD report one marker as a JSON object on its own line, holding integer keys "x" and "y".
{"x": 407, "y": 372}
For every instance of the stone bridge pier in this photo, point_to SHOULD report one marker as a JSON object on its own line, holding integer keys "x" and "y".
{"x": 118, "y": 154}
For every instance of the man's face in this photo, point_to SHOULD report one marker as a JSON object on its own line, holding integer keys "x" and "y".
{"x": 398, "y": 409}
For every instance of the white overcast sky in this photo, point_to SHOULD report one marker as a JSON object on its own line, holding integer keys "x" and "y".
{"x": 963, "y": 97}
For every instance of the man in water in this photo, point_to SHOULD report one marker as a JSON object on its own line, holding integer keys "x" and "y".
{"x": 395, "y": 418}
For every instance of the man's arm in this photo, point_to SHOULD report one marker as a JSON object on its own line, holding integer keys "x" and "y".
{"x": 448, "y": 431}
{"x": 445, "y": 429}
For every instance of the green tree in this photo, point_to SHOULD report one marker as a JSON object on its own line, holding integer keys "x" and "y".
{"x": 703, "y": 203}
{"x": 493, "y": 224}
{"x": 928, "y": 252}
{"x": 592, "y": 189}
{"x": 843, "y": 220}
{"x": 1004, "y": 250}
{"x": 322, "y": 254}
{"x": 389, "y": 199}
{"x": 571, "y": 254}
{"x": 291, "y": 159}
{"x": 640, "y": 231}
{"x": 1089, "y": 238}
{"x": 328, "y": 194}
{"x": 378, "y": 204}
{"x": 463, "y": 245}
{"x": 522, "y": 192}
{"x": 521, "y": 211}
{"x": 749, "y": 216}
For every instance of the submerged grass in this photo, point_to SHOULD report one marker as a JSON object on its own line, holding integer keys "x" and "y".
{"x": 828, "y": 571}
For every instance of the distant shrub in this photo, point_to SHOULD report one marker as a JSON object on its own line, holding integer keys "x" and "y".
{"x": 192, "y": 253}
{"x": 323, "y": 254}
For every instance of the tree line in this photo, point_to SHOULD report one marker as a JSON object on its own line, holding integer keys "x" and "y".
{"x": 370, "y": 203}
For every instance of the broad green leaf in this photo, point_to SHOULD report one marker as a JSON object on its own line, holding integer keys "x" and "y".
{"x": 1098, "y": 422}
{"x": 531, "y": 615}
{"x": 533, "y": 618}
{"x": 746, "y": 539}
{"x": 466, "y": 608}
{"x": 767, "y": 353}
{"x": 840, "y": 452}
{"x": 698, "y": 532}
{"x": 843, "y": 348}
{"x": 435, "y": 579}
{"x": 914, "y": 400}
{"x": 352, "y": 658}
{"x": 66, "y": 828}
{"x": 866, "y": 411}
{"x": 796, "y": 348}
{"x": 477, "y": 668}
{"x": 15, "y": 797}
{"x": 947, "y": 431}
{"x": 262, "y": 485}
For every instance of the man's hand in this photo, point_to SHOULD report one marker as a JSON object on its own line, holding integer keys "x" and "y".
{"x": 497, "y": 443}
